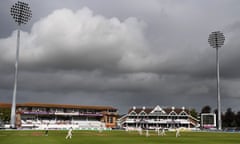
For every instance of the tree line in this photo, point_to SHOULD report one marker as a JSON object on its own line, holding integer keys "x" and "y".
{"x": 229, "y": 117}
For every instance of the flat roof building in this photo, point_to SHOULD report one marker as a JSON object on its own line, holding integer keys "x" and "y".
{"x": 58, "y": 116}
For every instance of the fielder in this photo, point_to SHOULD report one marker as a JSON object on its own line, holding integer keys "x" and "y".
{"x": 163, "y": 132}
{"x": 46, "y": 130}
{"x": 147, "y": 133}
{"x": 69, "y": 135}
{"x": 178, "y": 132}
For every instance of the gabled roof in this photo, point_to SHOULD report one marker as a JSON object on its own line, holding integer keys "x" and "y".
{"x": 138, "y": 110}
{"x": 183, "y": 113}
{"x": 158, "y": 108}
{"x": 173, "y": 113}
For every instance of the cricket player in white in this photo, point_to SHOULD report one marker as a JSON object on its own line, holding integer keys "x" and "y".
{"x": 139, "y": 130}
{"x": 69, "y": 135}
{"x": 163, "y": 132}
{"x": 46, "y": 130}
{"x": 158, "y": 130}
{"x": 177, "y": 132}
{"x": 147, "y": 133}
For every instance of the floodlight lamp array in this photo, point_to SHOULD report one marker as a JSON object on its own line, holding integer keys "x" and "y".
{"x": 216, "y": 39}
{"x": 21, "y": 12}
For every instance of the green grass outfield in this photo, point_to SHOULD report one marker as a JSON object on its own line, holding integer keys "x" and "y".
{"x": 115, "y": 137}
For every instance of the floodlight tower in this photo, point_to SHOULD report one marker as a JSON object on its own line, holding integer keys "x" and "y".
{"x": 21, "y": 13}
{"x": 216, "y": 40}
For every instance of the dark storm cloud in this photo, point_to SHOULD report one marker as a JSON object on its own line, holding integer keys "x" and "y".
{"x": 124, "y": 53}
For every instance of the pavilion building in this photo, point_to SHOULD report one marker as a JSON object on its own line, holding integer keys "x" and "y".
{"x": 157, "y": 117}
{"x": 62, "y": 116}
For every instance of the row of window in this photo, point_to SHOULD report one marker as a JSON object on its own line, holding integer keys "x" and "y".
{"x": 66, "y": 110}
{"x": 142, "y": 113}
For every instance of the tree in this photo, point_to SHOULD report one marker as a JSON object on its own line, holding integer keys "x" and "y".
{"x": 237, "y": 119}
{"x": 193, "y": 113}
{"x": 5, "y": 114}
{"x": 206, "y": 109}
{"x": 229, "y": 118}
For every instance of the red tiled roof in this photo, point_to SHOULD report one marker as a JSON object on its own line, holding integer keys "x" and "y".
{"x": 8, "y": 105}
{"x": 5, "y": 105}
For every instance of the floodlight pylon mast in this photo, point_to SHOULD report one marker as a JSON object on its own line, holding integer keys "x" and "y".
{"x": 21, "y": 14}
{"x": 216, "y": 40}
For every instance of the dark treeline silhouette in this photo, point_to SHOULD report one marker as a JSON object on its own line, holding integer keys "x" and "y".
{"x": 229, "y": 117}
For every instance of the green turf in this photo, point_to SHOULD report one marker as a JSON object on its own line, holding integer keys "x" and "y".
{"x": 115, "y": 137}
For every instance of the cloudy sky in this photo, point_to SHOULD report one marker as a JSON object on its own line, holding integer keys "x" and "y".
{"x": 122, "y": 53}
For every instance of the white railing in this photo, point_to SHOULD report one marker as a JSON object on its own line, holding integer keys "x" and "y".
{"x": 53, "y": 124}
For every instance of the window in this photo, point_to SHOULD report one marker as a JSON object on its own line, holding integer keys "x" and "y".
{"x": 110, "y": 120}
{"x": 142, "y": 113}
{"x": 133, "y": 113}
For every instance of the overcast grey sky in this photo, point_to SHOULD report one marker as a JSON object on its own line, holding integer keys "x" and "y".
{"x": 122, "y": 53}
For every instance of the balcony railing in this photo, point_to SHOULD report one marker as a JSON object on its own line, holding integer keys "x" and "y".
{"x": 61, "y": 113}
